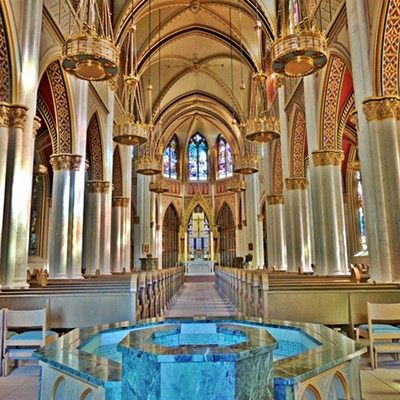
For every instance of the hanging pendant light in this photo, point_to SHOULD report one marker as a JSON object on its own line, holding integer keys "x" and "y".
{"x": 90, "y": 52}
{"x": 236, "y": 184}
{"x": 130, "y": 132}
{"x": 148, "y": 160}
{"x": 159, "y": 185}
{"x": 300, "y": 49}
{"x": 248, "y": 162}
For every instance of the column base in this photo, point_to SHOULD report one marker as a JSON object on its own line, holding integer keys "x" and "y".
{"x": 58, "y": 276}
{"x": 16, "y": 285}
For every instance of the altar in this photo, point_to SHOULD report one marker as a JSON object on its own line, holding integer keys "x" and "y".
{"x": 199, "y": 267}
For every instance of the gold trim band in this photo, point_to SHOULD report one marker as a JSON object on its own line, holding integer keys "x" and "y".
{"x": 120, "y": 201}
{"x": 275, "y": 199}
{"x": 98, "y": 186}
{"x": 13, "y": 115}
{"x": 322, "y": 158}
{"x": 70, "y": 162}
{"x": 296, "y": 183}
{"x": 380, "y": 108}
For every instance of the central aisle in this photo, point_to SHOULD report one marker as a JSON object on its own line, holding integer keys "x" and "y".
{"x": 199, "y": 299}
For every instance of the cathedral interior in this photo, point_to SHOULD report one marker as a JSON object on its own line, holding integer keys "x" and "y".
{"x": 200, "y": 135}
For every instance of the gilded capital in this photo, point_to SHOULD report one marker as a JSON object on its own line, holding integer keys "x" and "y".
{"x": 275, "y": 199}
{"x": 322, "y": 158}
{"x": 380, "y": 108}
{"x": 13, "y": 115}
{"x": 296, "y": 183}
{"x": 345, "y": 198}
{"x": 70, "y": 162}
{"x": 120, "y": 201}
{"x": 98, "y": 186}
{"x": 36, "y": 125}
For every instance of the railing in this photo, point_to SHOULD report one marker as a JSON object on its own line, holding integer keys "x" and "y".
{"x": 245, "y": 289}
{"x": 154, "y": 291}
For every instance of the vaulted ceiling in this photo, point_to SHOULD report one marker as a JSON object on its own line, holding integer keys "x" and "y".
{"x": 197, "y": 55}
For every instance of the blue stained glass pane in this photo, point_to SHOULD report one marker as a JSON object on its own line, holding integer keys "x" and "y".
{"x": 198, "y": 158}
{"x": 167, "y": 161}
{"x": 173, "y": 159}
{"x": 229, "y": 167}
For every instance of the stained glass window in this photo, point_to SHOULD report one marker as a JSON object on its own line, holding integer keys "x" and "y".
{"x": 360, "y": 206}
{"x": 171, "y": 159}
{"x": 224, "y": 158}
{"x": 198, "y": 158}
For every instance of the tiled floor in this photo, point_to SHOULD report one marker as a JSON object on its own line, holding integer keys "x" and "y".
{"x": 201, "y": 299}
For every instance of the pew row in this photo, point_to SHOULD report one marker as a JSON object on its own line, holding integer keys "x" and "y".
{"x": 327, "y": 301}
{"x": 76, "y": 304}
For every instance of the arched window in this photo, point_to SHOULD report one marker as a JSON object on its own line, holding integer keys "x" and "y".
{"x": 171, "y": 159}
{"x": 198, "y": 158}
{"x": 224, "y": 158}
{"x": 360, "y": 207}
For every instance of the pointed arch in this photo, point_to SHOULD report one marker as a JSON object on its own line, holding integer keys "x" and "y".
{"x": 198, "y": 158}
{"x": 227, "y": 232}
{"x": 5, "y": 63}
{"x": 170, "y": 159}
{"x": 94, "y": 149}
{"x": 298, "y": 144}
{"x": 170, "y": 237}
{"x": 387, "y": 50}
{"x": 117, "y": 174}
{"x": 224, "y": 158}
{"x": 62, "y": 108}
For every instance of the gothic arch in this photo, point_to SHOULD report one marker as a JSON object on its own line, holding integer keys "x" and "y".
{"x": 387, "y": 48}
{"x": 117, "y": 174}
{"x": 62, "y": 107}
{"x": 172, "y": 204}
{"x": 298, "y": 144}
{"x": 94, "y": 149}
{"x": 198, "y": 199}
{"x": 5, "y": 63}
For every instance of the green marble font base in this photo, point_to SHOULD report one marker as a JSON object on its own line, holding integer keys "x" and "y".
{"x": 216, "y": 358}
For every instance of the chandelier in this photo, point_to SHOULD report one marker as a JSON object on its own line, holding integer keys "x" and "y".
{"x": 130, "y": 132}
{"x": 300, "y": 49}
{"x": 247, "y": 163}
{"x": 159, "y": 185}
{"x": 236, "y": 184}
{"x": 90, "y": 52}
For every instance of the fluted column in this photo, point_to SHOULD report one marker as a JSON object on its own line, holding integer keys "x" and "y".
{"x": 118, "y": 236}
{"x": 95, "y": 226}
{"x": 383, "y": 117}
{"x": 328, "y": 213}
{"x": 61, "y": 245}
{"x": 276, "y": 232}
{"x": 12, "y": 181}
{"x": 297, "y": 225}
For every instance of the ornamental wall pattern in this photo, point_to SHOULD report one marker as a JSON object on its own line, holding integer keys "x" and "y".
{"x": 5, "y": 76}
{"x": 331, "y": 104}
{"x": 278, "y": 173}
{"x": 117, "y": 174}
{"x": 95, "y": 149}
{"x": 299, "y": 137}
{"x": 390, "y": 50}
{"x": 62, "y": 111}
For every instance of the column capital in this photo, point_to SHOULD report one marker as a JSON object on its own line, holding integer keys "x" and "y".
{"x": 275, "y": 199}
{"x": 380, "y": 108}
{"x": 70, "y": 162}
{"x": 322, "y": 158}
{"x": 120, "y": 201}
{"x": 296, "y": 183}
{"x": 36, "y": 125}
{"x": 13, "y": 115}
{"x": 98, "y": 186}
{"x": 345, "y": 198}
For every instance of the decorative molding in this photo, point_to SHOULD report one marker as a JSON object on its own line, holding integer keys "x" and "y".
{"x": 98, "y": 186}
{"x": 120, "y": 201}
{"x": 345, "y": 198}
{"x": 36, "y": 125}
{"x": 298, "y": 141}
{"x": 380, "y": 108}
{"x": 296, "y": 183}
{"x": 275, "y": 199}
{"x": 13, "y": 115}
{"x": 277, "y": 169}
{"x": 323, "y": 158}
{"x": 70, "y": 162}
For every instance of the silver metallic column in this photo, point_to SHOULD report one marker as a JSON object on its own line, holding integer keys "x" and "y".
{"x": 328, "y": 213}
{"x": 297, "y": 226}
{"x": 13, "y": 180}
{"x": 60, "y": 246}
{"x": 276, "y": 233}
{"x": 118, "y": 240}
{"x": 383, "y": 116}
{"x": 105, "y": 234}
